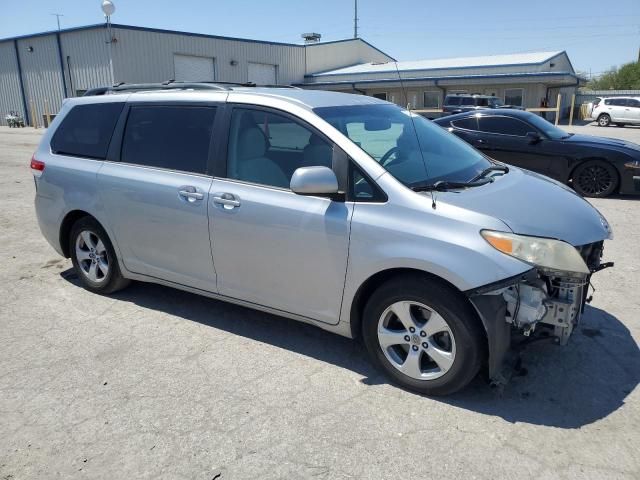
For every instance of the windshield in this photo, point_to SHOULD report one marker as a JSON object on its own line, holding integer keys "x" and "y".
{"x": 387, "y": 134}
{"x": 549, "y": 129}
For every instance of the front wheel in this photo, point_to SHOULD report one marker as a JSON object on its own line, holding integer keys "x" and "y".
{"x": 423, "y": 335}
{"x": 595, "y": 178}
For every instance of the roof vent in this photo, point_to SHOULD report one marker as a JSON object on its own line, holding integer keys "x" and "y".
{"x": 310, "y": 38}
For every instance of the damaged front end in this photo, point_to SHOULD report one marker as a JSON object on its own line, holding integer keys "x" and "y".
{"x": 544, "y": 300}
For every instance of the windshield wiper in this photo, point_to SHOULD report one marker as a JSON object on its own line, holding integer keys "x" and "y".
{"x": 492, "y": 168}
{"x": 443, "y": 185}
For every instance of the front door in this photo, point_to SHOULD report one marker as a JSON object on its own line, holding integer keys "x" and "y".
{"x": 156, "y": 197}
{"x": 505, "y": 139}
{"x": 272, "y": 247}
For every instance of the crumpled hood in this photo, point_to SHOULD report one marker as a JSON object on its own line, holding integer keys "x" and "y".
{"x": 603, "y": 142}
{"x": 531, "y": 204}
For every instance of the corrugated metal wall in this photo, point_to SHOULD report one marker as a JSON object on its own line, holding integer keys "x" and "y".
{"x": 147, "y": 56}
{"x": 86, "y": 59}
{"x": 41, "y": 74}
{"x": 10, "y": 98}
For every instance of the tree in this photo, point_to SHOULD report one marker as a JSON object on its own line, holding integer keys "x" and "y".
{"x": 626, "y": 77}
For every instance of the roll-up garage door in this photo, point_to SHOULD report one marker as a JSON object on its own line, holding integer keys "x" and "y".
{"x": 190, "y": 68}
{"x": 262, "y": 74}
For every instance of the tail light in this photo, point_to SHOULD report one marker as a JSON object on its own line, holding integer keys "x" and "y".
{"x": 37, "y": 167}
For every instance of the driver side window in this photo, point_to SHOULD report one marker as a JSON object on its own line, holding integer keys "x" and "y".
{"x": 266, "y": 148}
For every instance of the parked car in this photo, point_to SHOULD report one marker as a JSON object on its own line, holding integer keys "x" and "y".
{"x": 593, "y": 166}
{"x": 466, "y": 103}
{"x": 321, "y": 207}
{"x": 619, "y": 111}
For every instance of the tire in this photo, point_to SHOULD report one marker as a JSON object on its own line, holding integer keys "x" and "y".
{"x": 604, "y": 120}
{"x": 94, "y": 258}
{"x": 444, "y": 324}
{"x": 595, "y": 179}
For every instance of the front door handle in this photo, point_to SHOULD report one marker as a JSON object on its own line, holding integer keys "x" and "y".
{"x": 227, "y": 200}
{"x": 190, "y": 194}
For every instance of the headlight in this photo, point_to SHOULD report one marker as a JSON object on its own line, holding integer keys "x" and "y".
{"x": 542, "y": 252}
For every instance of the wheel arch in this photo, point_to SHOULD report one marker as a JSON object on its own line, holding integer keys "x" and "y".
{"x": 65, "y": 228}
{"x": 369, "y": 286}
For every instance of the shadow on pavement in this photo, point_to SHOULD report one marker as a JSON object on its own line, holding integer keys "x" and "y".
{"x": 565, "y": 387}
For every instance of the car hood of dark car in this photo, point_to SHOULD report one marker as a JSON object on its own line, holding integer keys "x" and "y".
{"x": 531, "y": 204}
{"x": 614, "y": 143}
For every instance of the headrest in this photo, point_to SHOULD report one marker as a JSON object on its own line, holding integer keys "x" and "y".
{"x": 252, "y": 143}
{"x": 316, "y": 140}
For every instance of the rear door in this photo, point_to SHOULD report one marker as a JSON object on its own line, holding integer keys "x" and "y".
{"x": 615, "y": 108}
{"x": 156, "y": 195}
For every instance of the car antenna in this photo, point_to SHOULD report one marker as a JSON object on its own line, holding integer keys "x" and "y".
{"x": 415, "y": 131}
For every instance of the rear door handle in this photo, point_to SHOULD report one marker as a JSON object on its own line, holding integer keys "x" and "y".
{"x": 227, "y": 200}
{"x": 190, "y": 194}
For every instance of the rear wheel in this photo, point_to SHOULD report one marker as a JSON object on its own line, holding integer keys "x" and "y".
{"x": 604, "y": 120}
{"x": 93, "y": 257}
{"x": 595, "y": 178}
{"x": 423, "y": 335}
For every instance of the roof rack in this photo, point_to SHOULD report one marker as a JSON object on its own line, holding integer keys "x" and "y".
{"x": 173, "y": 85}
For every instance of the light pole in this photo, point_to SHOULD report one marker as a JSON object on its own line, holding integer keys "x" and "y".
{"x": 108, "y": 8}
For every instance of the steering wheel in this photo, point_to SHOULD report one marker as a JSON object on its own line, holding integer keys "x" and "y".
{"x": 385, "y": 157}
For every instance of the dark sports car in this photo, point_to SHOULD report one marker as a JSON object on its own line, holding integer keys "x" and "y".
{"x": 593, "y": 166}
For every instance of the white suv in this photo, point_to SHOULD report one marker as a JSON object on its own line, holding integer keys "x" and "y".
{"x": 618, "y": 110}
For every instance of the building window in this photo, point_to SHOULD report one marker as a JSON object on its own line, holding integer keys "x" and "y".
{"x": 514, "y": 96}
{"x": 381, "y": 96}
{"x": 431, "y": 99}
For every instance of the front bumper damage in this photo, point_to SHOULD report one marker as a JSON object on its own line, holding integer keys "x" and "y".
{"x": 540, "y": 301}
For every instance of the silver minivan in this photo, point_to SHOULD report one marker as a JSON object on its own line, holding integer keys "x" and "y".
{"x": 338, "y": 210}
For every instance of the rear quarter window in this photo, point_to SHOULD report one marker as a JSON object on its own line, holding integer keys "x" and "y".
{"x": 86, "y": 130}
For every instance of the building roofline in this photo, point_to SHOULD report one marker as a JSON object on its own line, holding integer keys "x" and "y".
{"x": 352, "y": 40}
{"x": 449, "y": 77}
{"x": 172, "y": 32}
{"x": 328, "y": 74}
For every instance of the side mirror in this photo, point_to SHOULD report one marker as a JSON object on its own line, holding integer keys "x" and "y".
{"x": 533, "y": 137}
{"x": 320, "y": 181}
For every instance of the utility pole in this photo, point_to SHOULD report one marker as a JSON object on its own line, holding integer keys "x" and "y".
{"x": 58, "y": 15}
{"x": 355, "y": 20}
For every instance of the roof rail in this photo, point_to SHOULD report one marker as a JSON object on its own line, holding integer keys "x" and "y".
{"x": 173, "y": 85}
{"x": 168, "y": 85}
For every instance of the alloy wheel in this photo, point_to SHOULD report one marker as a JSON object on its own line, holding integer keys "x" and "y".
{"x": 92, "y": 257}
{"x": 416, "y": 340}
{"x": 594, "y": 180}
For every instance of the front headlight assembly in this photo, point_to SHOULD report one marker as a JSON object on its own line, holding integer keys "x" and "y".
{"x": 546, "y": 253}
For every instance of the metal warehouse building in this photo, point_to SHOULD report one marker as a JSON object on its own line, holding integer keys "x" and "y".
{"x": 38, "y": 71}
{"x": 45, "y": 68}
{"x": 519, "y": 79}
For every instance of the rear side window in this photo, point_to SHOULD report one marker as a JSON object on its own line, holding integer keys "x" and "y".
{"x": 173, "y": 137}
{"x": 453, "y": 101}
{"x": 467, "y": 101}
{"x": 86, "y": 130}
{"x": 504, "y": 126}
{"x": 466, "y": 123}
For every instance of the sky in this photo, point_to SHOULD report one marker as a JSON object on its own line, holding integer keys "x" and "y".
{"x": 596, "y": 34}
